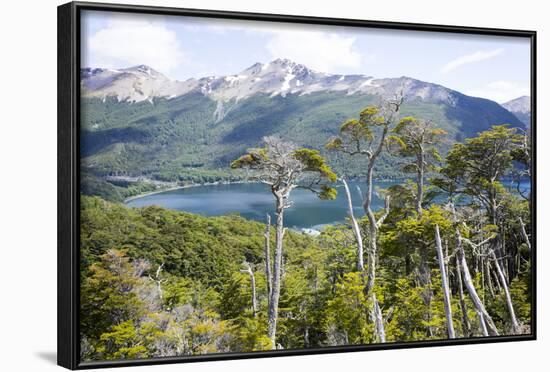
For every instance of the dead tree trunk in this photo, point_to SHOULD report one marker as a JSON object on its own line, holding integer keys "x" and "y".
{"x": 444, "y": 284}
{"x": 373, "y": 236}
{"x": 524, "y": 234}
{"x": 486, "y": 268}
{"x": 355, "y": 228}
{"x": 378, "y": 320}
{"x": 509, "y": 304}
{"x": 420, "y": 181}
{"x": 267, "y": 253}
{"x": 273, "y": 309}
{"x": 373, "y": 232}
{"x": 376, "y": 311}
{"x": 158, "y": 281}
{"x": 478, "y": 304}
{"x": 482, "y": 324}
{"x": 501, "y": 278}
{"x": 374, "y": 225}
{"x": 250, "y": 273}
{"x": 466, "y": 327}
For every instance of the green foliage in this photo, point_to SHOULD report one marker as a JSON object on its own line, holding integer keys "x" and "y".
{"x": 476, "y": 166}
{"x": 418, "y": 139}
{"x": 123, "y": 342}
{"x": 348, "y": 312}
{"x": 107, "y": 294}
{"x": 314, "y": 162}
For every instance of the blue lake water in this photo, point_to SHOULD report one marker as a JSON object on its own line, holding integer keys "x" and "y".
{"x": 254, "y": 201}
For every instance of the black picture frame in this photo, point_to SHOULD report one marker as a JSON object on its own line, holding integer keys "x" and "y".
{"x": 68, "y": 93}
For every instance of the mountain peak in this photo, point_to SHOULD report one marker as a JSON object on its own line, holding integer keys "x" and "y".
{"x": 144, "y": 69}
{"x": 283, "y": 62}
{"x": 521, "y": 104}
{"x": 521, "y": 108}
{"x": 291, "y": 65}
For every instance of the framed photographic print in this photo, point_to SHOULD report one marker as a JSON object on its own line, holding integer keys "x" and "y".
{"x": 236, "y": 185}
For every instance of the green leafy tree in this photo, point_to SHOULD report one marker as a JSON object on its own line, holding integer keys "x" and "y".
{"x": 284, "y": 167}
{"x": 367, "y": 137}
{"x": 347, "y": 319}
{"x": 107, "y": 295}
{"x": 417, "y": 139}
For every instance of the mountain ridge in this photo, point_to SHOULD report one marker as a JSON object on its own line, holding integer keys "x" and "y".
{"x": 278, "y": 77}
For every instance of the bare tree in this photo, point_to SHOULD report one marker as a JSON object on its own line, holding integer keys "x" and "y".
{"x": 509, "y": 304}
{"x": 158, "y": 281}
{"x": 466, "y": 327}
{"x": 284, "y": 167}
{"x": 378, "y": 320}
{"x": 485, "y": 319}
{"x": 267, "y": 254}
{"x": 524, "y": 233}
{"x": 444, "y": 284}
{"x": 248, "y": 270}
{"x": 502, "y": 280}
{"x": 355, "y": 228}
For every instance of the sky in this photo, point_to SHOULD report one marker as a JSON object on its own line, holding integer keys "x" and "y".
{"x": 492, "y": 67}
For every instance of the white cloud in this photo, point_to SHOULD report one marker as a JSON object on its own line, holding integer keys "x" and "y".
{"x": 126, "y": 42}
{"x": 326, "y": 52}
{"x": 500, "y": 91}
{"x": 471, "y": 58}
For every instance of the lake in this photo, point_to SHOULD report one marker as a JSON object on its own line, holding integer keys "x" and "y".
{"x": 254, "y": 201}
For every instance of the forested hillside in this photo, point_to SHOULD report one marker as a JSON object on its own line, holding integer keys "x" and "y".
{"x": 182, "y": 138}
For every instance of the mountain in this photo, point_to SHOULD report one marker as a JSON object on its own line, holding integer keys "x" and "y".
{"x": 279, "y": 77}
{"x": 138, "y": 122}
{"x": 134, "y": 84}
{"x": 521, "y": 108}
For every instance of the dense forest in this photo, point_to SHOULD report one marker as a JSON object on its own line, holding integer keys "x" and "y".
{"x": 449, "y": 256}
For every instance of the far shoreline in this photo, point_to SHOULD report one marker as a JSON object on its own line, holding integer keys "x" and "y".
{"x": 188, "y": 186}
{"x": 217, "y": 183}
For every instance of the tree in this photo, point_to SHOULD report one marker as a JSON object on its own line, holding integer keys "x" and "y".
{"x": 347, "y": 309}
{"x": 444, "y": 283}
{"x": 355, "y": 227}
{"x": 417, "y": 139}
{"x": 367, "y": 137}
{"x": 284, "y": 167}
{"x": 107, "y": 296}
{"x": 158, "y": 281}
{"x": 248, "y": 270}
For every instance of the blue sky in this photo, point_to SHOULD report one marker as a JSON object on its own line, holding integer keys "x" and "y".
{"x": 497, "y": 68}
